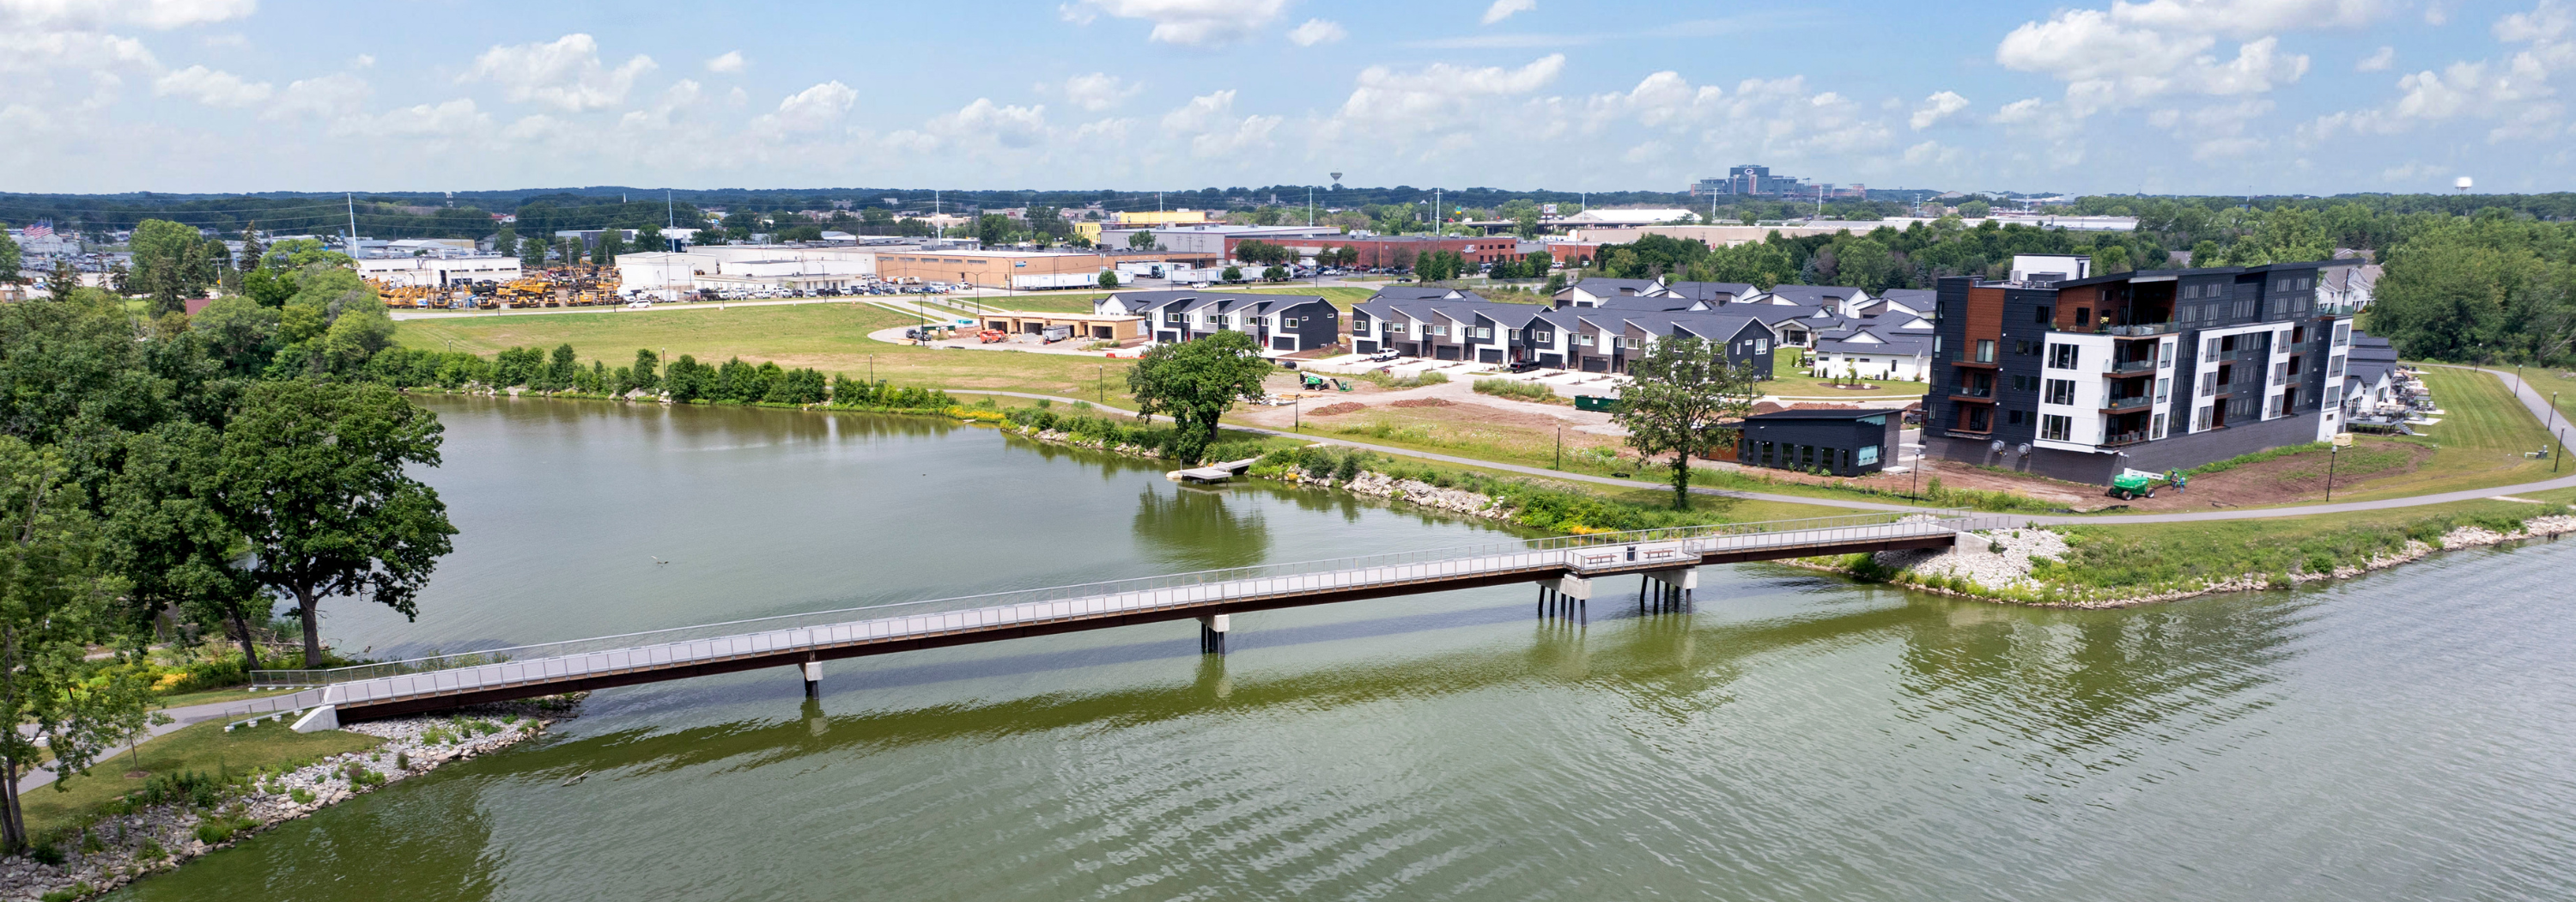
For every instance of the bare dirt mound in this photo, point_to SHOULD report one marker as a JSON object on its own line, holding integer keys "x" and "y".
{"x": 1422, "y": 402}
{"x": 1337, "y": 409}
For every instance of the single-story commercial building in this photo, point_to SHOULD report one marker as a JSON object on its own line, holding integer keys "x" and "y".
{"x": 1844, "y": 442}
{"x": 1084, "y": 325}
{"x": 437, "y": 272}
{"x": 989, "y": 268}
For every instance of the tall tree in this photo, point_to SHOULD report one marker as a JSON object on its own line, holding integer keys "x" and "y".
{"x": 253, "y": 254}
{"x": 1683, "y": 400}
{"x": 1196, "y": 382}
{"x": 55, "y": 593}
{"x": 169, "y": 541}
{"x": 313, "y": 476}
{"x": 9, "y": 257}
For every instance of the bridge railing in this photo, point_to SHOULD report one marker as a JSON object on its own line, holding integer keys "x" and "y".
{"x": 762, "y": 634}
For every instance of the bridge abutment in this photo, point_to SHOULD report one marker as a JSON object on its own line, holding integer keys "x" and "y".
{"x": 1212, "y": 630}
{"x": 813, "y": 673}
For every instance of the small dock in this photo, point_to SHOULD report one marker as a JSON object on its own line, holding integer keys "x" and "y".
{"x": 1212, "y": 472}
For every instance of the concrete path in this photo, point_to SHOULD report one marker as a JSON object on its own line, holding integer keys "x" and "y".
{"x": 2536, "y": 402}
{"x": 180, "y": 718}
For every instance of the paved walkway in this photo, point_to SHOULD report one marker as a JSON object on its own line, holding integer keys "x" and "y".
{"x": 181, "y": 718}
{"x": 2536, "y": 402}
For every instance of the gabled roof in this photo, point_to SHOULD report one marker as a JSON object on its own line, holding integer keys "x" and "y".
{"x": 1614, "y": 287}
{"x": 1815, "y": 295}
{"x": 1710, "y": 291}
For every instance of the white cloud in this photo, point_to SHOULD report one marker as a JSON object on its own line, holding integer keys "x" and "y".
{"x": 333, "y": 96}
{"x": 1317, "y": 31}
{"x": 2377, "y": 62}
{"x": 159, "y": 15}
{"x": 730, "y": 62}
{"x": 986, "y": 122}
{"x": 813, "y": 109}
{"x": 212, "y": 87}
{"x": 1439, "y": 92}
{"x": 1191, "y": 23}
{"x": 1505, "y": 9}
{"x": 1214, "y": 130}
{"x": 1098, "y": 91}
{"x": 565, "y": 74}
{"x": 1660, "y": 100}
{"x": 452, "y": 118}
{"x": 49, "y": 51}
{"x": 1930, "y": 153}
{"x": 1941, "y": 105}
{"x": 2134, "y": 52}
{"x": 2515, "y": 93}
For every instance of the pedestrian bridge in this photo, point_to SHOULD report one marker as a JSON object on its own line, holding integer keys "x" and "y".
{"x": 1565, "y": 567}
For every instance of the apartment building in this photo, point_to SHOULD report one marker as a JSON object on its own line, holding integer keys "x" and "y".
{"x": 1280, "y": 323}
{"x": 2079, "y": 379}
{"x": 1443, "y": 324}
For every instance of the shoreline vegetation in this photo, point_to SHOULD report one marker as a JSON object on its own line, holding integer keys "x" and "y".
{"x": 88, "y": 846}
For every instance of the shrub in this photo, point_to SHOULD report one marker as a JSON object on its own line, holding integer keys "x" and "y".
{"x": 1514, "y": 388}
{"x": 46, "y": 853}
{"x": 301, "y": 796}
{"x": 402, "y": 760}
{"x": 213, "y": 832}
{"x": 151, "y": 850}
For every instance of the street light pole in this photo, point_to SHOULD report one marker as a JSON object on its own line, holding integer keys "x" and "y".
{"x": 2332, "y": 453}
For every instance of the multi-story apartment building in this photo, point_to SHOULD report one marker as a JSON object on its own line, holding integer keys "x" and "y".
{"x": 1444, "y": 324}
{"x": 2156, "y": 370}
{"x": 1283, "y": 323}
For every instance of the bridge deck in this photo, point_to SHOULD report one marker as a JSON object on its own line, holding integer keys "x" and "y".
{"x": 448, "y": 681}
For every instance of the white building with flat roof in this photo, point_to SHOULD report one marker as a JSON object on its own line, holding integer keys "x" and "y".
{"x": 437, "y": 272}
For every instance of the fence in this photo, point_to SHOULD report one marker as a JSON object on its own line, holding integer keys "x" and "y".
{"x": 654, "y": 649}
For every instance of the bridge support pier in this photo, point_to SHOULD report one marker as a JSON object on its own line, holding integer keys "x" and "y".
{"x": 1212, "y": 630}
{"x": 1671, "y": 589}
{"x": 1567, "y": 597}
{"x": 813, "y": 673}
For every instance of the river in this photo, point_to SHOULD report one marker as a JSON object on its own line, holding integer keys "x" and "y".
{"x": 2400, "y": 736}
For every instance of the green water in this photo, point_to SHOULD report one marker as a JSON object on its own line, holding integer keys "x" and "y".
{"x": 2403, "y": 736}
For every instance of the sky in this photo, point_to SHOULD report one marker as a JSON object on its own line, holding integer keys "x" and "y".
{"x": 2161, "y": 97}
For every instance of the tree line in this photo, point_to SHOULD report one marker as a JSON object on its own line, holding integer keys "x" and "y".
{"x": 208, "y": 467}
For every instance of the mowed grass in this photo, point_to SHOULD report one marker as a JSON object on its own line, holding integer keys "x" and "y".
{"x": 1788, "y": 378}
{"x": 205, "y": 748}
{"x": 2547, "y": 380}
{"x": 2167, "y": 556}
{"x": 2479, "y": 442}
{"x": 832, "y": 338}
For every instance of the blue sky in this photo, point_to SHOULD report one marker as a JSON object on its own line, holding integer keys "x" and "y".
{"x": 2190, "y": 96}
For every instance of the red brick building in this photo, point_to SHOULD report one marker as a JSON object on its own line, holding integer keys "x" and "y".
{"x": 1399, "y": 250}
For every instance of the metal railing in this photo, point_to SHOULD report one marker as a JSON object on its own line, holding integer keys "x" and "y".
{"x": 449, "y": 673}
{"x": 1965, "y": 391}
{"x": 2129, "y": 366}
{"x": 2128, "y": 402}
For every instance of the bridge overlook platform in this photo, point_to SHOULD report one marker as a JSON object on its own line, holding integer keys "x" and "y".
{"x": 452, "y": 680}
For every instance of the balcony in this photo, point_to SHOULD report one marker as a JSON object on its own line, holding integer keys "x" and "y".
{"x": 2127, "y": 402}
{"x": 2127, "y": 367}
{"x": 2142, "y": 330}
{"x": 1976, "y": 392}
{"x": 2123, "y": 438}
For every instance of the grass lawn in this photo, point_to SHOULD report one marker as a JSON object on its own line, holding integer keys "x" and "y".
{"x": 233, "y": 694}
{"x": 2163, "y": 556}
{"x": 2544, "y": 381}
{"x": 204, "y": 747}
{"x": 2478, "y": 443}
{"x": 828, "y": 337}
{"x": 1788, "y": 378}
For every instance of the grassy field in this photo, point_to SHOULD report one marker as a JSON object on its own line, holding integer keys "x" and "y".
{"x": 2547, "y": 380}
{"x": 2479, "y": 442}
{"x": 204, "y": 747}
{"x": 2157, "y": 557}
{"x": 1788, "y": 378}
{"x": 828, "y": 337}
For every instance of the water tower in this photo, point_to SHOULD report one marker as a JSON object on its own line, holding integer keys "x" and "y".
{"x": 2462, "y": 184}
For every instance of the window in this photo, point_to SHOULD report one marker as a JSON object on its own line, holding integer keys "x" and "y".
{"x": 1868, "y": 455}
{"x": 2025, "y": 383}
{"x": 2342, "y": 334}
{"x": 2013, "y": 417}
{"x": 1543, "y": 336}
{"x": 1763, "y": 345}
{"x": 1985, "y": 350}
{"x": 2199, "y": 419}
{"x": 1632, "y": 341}
{"x": 2243, "y": 308}
{"x": 2334, "y": 367}
{"x": 2159, "y": 427}
{"x": 2304, "y": 283}
{"x": 2022, "y": 348}
{"x": 2164, "y": 389}
{"x": 2042, "y": 313}
{"x": 1287, "y": 322}
{"x": 1484, "y": 332}
{"x": 2334, "y": 395}
{"x": 2055, "y": 427}
{"x": 2208, "y": 384}
{"x": 1440, "y": 330}
{"x": 2210, "y": 355}
{"x": 2061, "y": 391}
{"x": 2063, "y": 357}
{"x": 1176, "y": 318}
{"x": 1513, "y": 334}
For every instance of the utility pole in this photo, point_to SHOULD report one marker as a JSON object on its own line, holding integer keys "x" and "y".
{"x": 353, "y": 224}
{"x": 2332, "y": 453}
